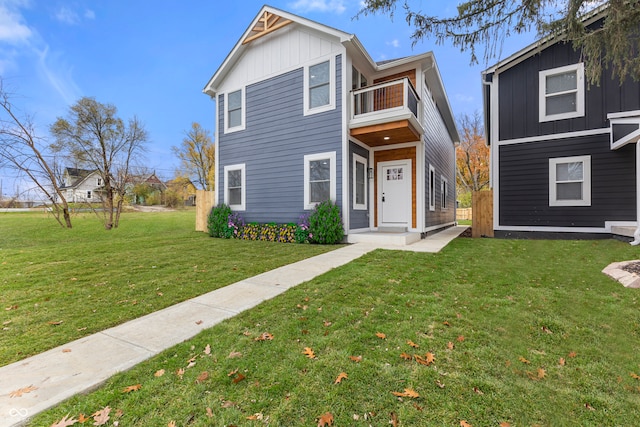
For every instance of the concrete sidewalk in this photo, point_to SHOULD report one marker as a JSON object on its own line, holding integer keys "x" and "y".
{"x": 84, "y": 364}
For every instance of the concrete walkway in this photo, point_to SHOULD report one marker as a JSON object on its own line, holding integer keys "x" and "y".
{"x": 84, "y": 364}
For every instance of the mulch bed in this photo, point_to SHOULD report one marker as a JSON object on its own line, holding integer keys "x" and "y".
{"x": 632, "y": 267}
{"x": 466, "y": 233}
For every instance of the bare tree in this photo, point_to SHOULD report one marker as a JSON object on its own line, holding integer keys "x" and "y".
{"x": 24, "y": 152}
{"x": 487, "y": 23}
{"x": 94, "y": 135}
{"x": 197, "y": 156}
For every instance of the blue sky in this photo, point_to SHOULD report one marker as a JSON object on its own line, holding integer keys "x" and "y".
{"x": 151, "y": 59}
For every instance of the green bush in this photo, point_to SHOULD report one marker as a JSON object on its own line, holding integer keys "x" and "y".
{"x": 325, "y": 224}
{"x": 218, "y": 221}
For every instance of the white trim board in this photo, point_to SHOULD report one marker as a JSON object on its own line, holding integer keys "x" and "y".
{"x": 555, "y": 136}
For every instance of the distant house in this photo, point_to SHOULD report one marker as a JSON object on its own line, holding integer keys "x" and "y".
{"x": 145, "y": 189}
{"x": 563, "y": 153}
{"x": 305, "y": 115}
{"x": 81, "y": 185}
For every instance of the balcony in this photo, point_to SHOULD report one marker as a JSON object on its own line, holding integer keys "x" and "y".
{"x": 385, "y": 113}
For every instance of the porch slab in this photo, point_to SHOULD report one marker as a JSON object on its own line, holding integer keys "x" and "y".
{"x": 384, "y": 238}
{"x": 626, "y": 231}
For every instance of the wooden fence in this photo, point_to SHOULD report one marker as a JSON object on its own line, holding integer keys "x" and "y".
{"x": 464, "y": 214}
{"x": 482, "y": 205}
{"x": 204, "y": 203}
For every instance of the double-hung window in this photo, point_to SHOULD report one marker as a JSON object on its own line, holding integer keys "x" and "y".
{"x": 444, "y": 192}
{"x": 319, "y": 178}
{"x": 561, "y": 93}
{"x": 235, "y": 186}
{"x": 432, "y": 188}
{"x": 570, "y": 181}
{"x": 359, "y": 182}
{"x": 319, "y": 87}
{"x": 234, "y": 111}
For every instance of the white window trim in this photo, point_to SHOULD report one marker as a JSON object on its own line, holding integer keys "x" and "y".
{"x": 432, "y": 188}
{"x": 332, "y": 176}
{"x": 242, "y": 168}
{"x": 542, "y": 79}
{"x": 228, "y": 129}
{"x": 359, "y": 159}
{"x": 444, "y": 192}
{"x": 332, "y": 87}
{"x": 586, "y": 181}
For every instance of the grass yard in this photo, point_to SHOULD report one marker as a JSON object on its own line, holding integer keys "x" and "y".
{"x": 57, "y": 285}
{"x": 489, "y": 332}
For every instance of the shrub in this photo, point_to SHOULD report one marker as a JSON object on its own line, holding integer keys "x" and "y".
{"x": 218, "y": 220}
{"x": 302, "y": 233}
{"x": 235, "y": 225}
{"x": 325, "y": 224}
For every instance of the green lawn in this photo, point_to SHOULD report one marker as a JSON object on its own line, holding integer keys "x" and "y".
{"x": 523, "y": 333}
{"x": 91, "y": 279}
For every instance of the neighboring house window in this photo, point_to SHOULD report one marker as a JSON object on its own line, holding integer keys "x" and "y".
{"x": 432, "y": 188}
{"x": 359, "y": 182}
{"x": 88, "y": 194}
{"x": 99, "y": 182}
{"x": 234, "y": 107}
{"x": 444, "y": 192}
{"x": 235, "y": 187}
{"x": 319, "y": 178}
{"x": 319, "y": 87}
{"x": 562, "y": 93}
{"x": 570, "y": 181}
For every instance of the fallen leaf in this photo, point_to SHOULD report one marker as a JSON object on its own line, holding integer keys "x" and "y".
{"x": 634, "y": 376}
{"x": 325, "y": 419}
{"x": 21, "y": 391}
{"x": 82, "y": 419}
{"x": 199, "y": 322}
{"x": 412, "y": 344}
{"x": 341, "y": 376}
{"x": 356, "y": 359}
{"x": 547, "y": 330}
{"x": 171, "y": 424}
{"x": 505, "y": 424}
{"x": 232, "y": 373}
{"x": 257, "y": 416}
{"x": 238, "y": 377}
{"x": 131, "y": 388}
{"x": 463, "y": 423}
{"x": 266, "y": 336}
{"x": 408, "y": 392}
{"x": 541, "y": 373}
{"x": 64, "y": 422}
{"x": 326, "y": 323}
{"x": 160, "y": 294}
{"x": 445, "y": 323}
{"x": 234, "y": 355}
{"x": 430, "y": 357}
{"x": 460, "y": 338}
{"x": 119, "y": 413}
{"x": 381, "y": 335}
{"x": 180, "y": 372}
{"x": 66, "y": 350}
{"x": 82, "y": 329}
{"x": 394, "y": 420}
{"x": 478, "y": 391}
{"x": 573, "y": 354}
{"x": 101, "y": 417}
{"x": 562, "y": 362}
{"x": 309, "y": 353}
{"x": 523, "y": 360}
{"x": 202, "y": 377}
{"x": 439, "y": 384}
{"x": 589, "y": 407}
{"x": 406, "y": 356}
{"x": 207, "y": 349}
{"x": 55, "y": 322}
{"x": 228, "y": 404}
{"x": 209, "y": 412}
{"x": 11, "y": 307}
{"x": 450, "y": 345}
{"x": 159, "y": 373}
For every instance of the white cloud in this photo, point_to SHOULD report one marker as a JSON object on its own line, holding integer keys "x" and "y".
{"x": 336, "y": 6}
{"x": 463, "y": 98}
{"x": 89, "y": 14}
{"x": 71, "y": 17}
{"x": 12, "y": 28}
{"x": 58, "y": 76}
{"x": 394, "y": 43}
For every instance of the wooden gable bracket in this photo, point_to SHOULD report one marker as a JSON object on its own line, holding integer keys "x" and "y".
{"x": 268, "y": 23}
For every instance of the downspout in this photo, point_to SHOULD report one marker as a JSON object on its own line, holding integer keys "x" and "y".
{"x": 636, "y": 234}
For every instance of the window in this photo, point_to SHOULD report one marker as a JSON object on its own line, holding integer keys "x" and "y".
{"x": 235, "y": 187}
{"x": 570, "y": 181}
{"x": 319, "y": 178}
{"x": 88, "y": 194}
{"x": 562, "y": 93}
{"x": 234, "y": 111}
{"x": 432, "y": 188}
{"x": 359, "y": 182}
{"x": 99, "y": 182}
{"x": 358, "y": 80}
{"x": 319, "y": 87}
{"x": 444, "y": 192}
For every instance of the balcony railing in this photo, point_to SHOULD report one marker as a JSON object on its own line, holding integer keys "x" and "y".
{"x": 384, "y": 98}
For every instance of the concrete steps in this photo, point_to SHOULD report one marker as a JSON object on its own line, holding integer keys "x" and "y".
{"x": 384, "y": 238}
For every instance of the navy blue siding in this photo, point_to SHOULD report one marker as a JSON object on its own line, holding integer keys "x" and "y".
{"x": 518, "y": 97}
{"x": 274, "y": 143}
{"x": 524, "y": 183}
{"x": 358, "y": 218}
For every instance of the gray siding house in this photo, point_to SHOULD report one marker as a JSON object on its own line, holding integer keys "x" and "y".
{"x": 305, "y": 115}
{"x": 563, "y": 153}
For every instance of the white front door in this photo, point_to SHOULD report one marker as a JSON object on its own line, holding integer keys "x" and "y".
{"x": 394, "y": 198}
